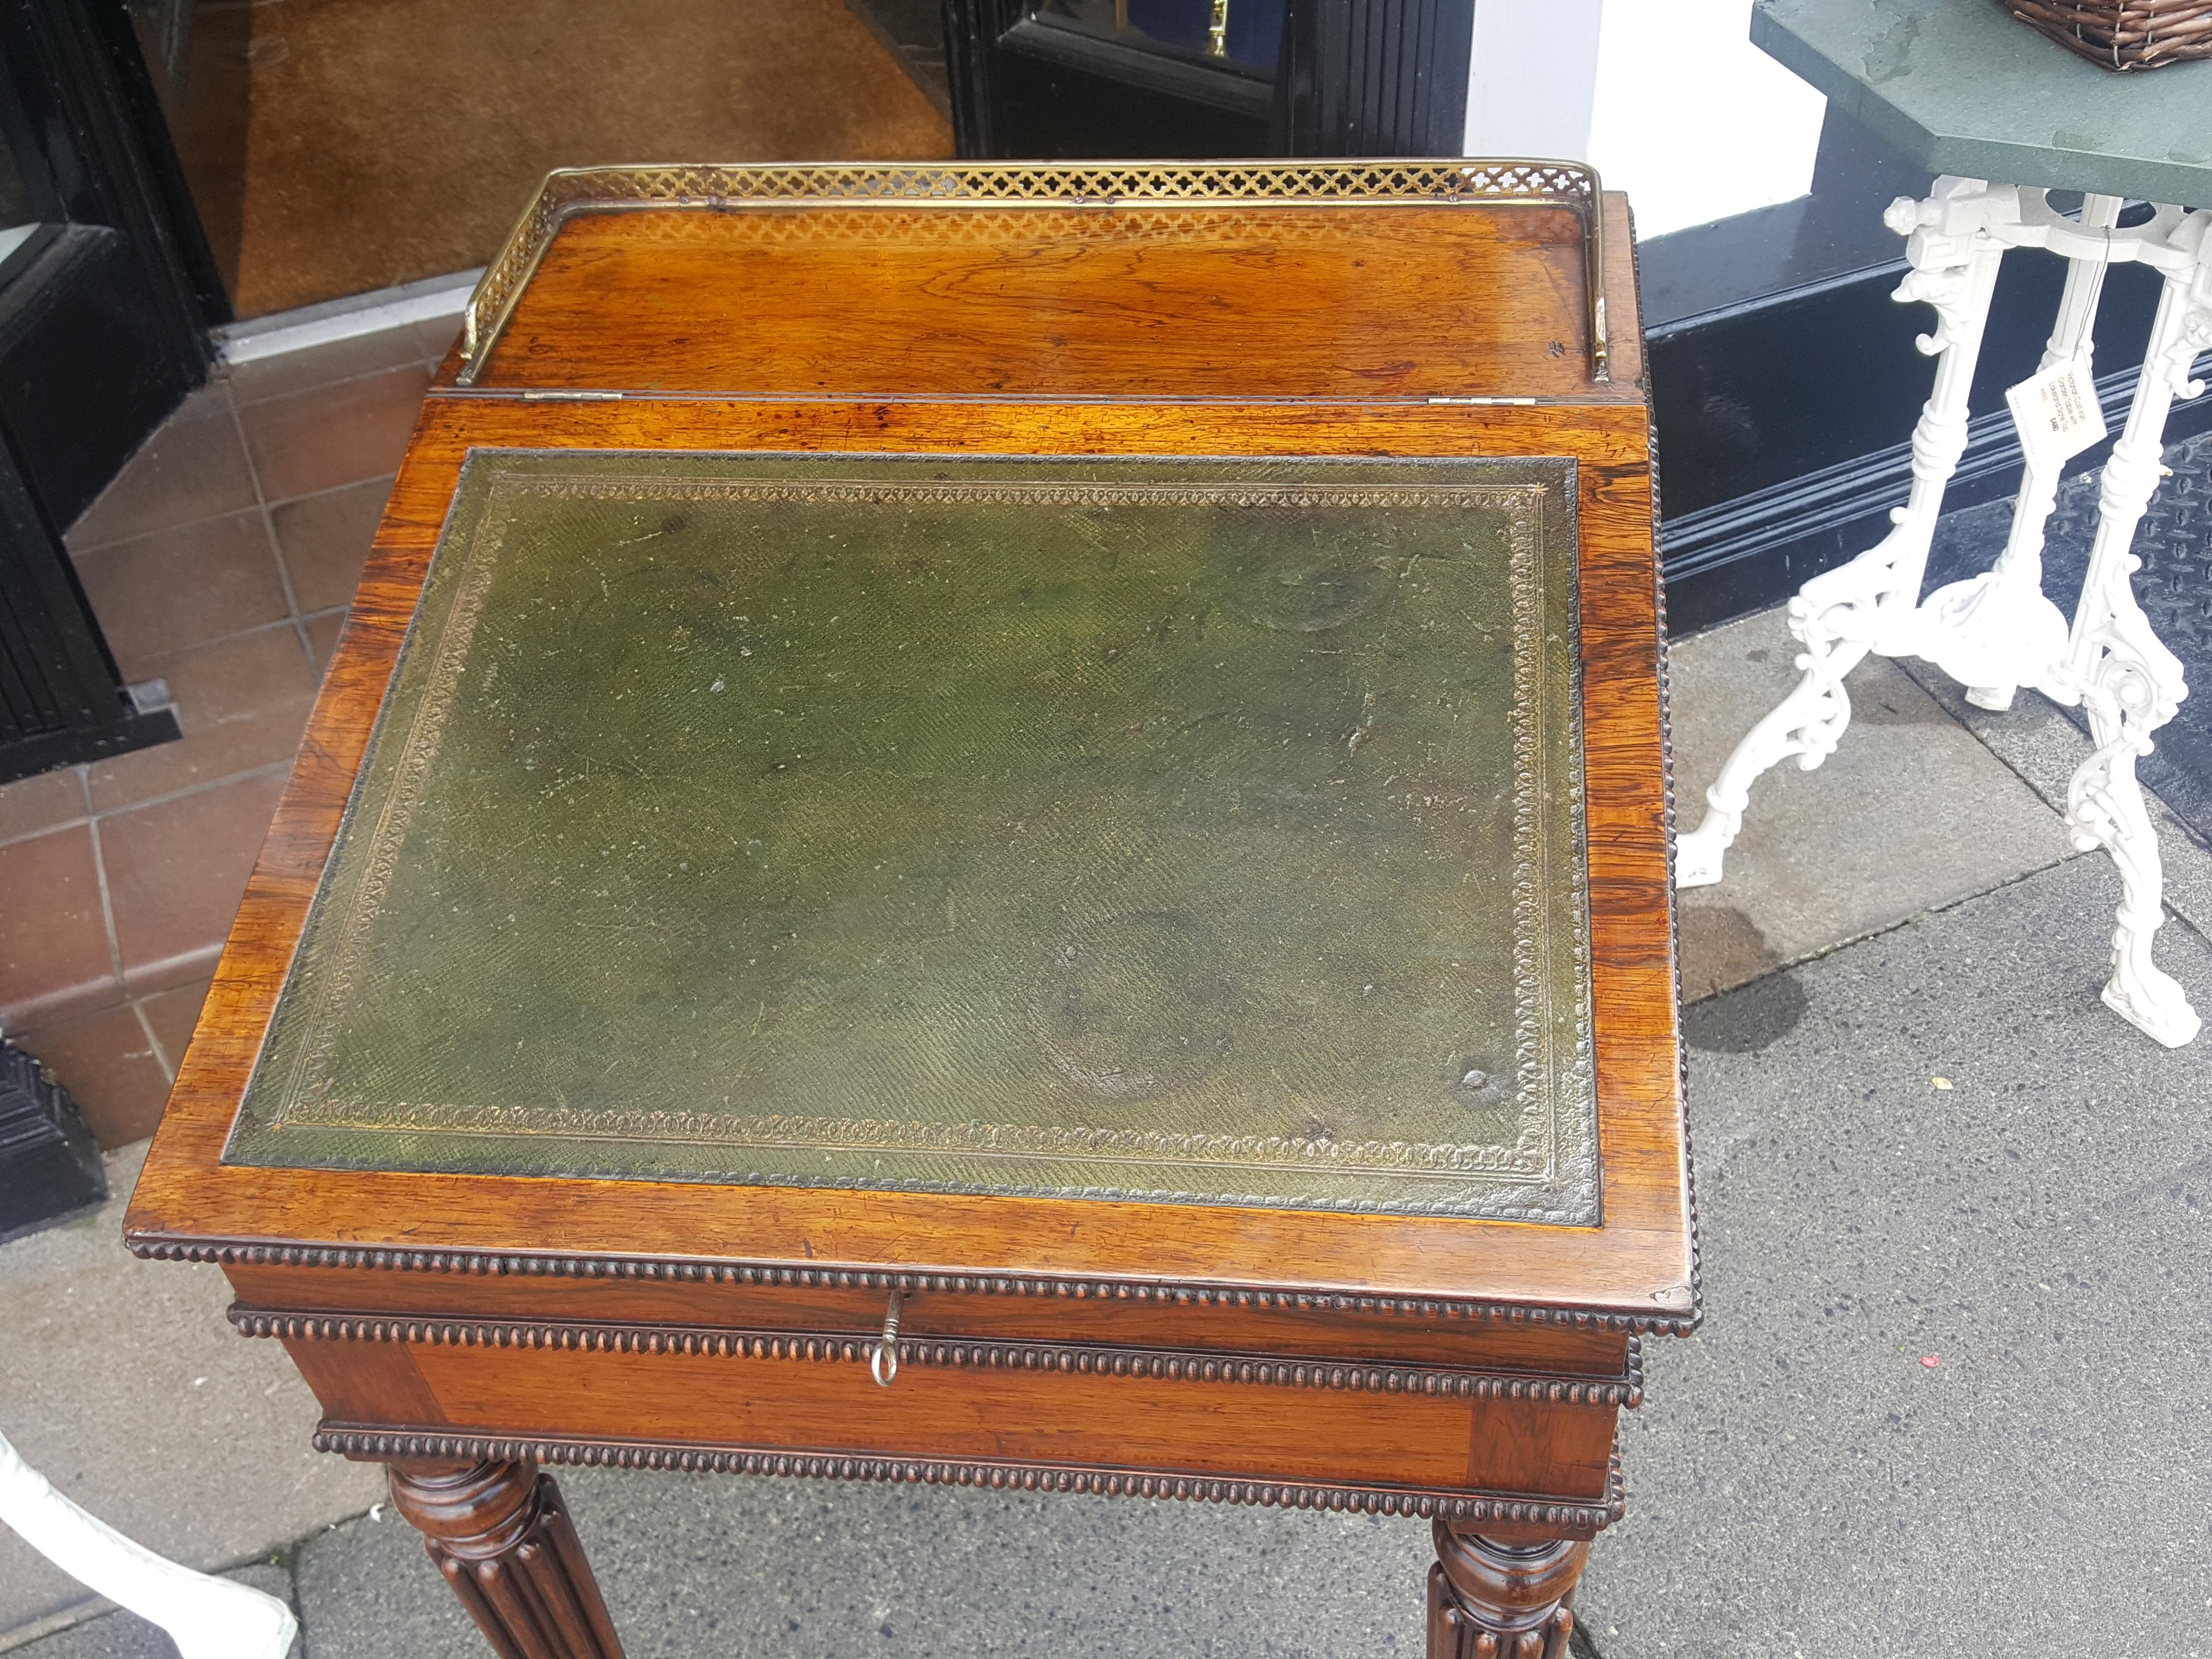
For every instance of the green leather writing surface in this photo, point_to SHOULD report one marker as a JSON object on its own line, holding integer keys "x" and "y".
{"x": 1192, "y": 831}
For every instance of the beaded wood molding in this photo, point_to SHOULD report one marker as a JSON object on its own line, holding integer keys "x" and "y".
{"x": 1681, "y": 1318}
{"x": 1666, "y": 811}
{"x": 568, "y": 191}
{"x": 1571, "y": 1519}
{"x": 1140, "y": 1364}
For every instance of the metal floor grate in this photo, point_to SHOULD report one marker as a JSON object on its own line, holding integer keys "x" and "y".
{"x": 2174, "y": 587}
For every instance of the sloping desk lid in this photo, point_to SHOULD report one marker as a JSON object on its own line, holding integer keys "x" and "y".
{"x": 1185, "y": 831}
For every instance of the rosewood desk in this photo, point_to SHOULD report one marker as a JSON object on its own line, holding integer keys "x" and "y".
{"x": 991, "y": 825}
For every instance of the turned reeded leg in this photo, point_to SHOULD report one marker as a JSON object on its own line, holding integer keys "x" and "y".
{"x": 501, "y": 1535}
{"x": 1493, "y": 1599}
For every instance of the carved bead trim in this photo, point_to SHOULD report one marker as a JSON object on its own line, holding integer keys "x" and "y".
{"x": 1142, "y": 1363}
{"x": 156, "y": 1247}
{"x": 1667, "y": 805}
{"x": 1015, "y": 1477}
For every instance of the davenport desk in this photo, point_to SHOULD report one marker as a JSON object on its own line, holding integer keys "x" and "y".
{"x": 991, "y": 825}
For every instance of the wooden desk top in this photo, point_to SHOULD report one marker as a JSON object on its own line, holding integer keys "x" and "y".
{"x": 1108, "y": 315}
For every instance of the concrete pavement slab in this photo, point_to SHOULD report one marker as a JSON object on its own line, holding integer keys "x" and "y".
{"x": 697, "y": 1566}
{"x": 121, "y": 1381}
{"x": 1803, "y": 1479}
{"x": 366, "y": 1587}
{"x": 2044, "y": 747}
{"x": 120, "y": 1635}
{"x": 2168, "y": 581}
{"x": 1909, "y": 811}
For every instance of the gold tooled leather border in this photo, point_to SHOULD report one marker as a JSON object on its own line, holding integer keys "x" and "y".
{"x": 1548, "y": 1174}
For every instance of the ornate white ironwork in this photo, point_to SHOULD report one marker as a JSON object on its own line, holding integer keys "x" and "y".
{"x": 1998, "y": 631}
{"x": 2128, "y": 684}
{"x": 1977, "y": 631}
{"x": 206, "y": 1618}
{"x": 1842, "y": 614}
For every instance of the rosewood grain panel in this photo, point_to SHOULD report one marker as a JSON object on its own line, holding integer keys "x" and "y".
{"x": 374, "y": 1381}
{"x": 1624, "y": 305}
{"x": 1434, "y": 1443}
{"x": 1271, "y": 302}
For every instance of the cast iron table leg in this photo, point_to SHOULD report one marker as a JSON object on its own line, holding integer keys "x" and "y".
{"x": 1997, "y": 631}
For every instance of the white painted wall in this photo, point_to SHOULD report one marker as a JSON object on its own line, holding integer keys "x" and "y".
{"x": 1532, "y": 78}
{"x": 1693, "y": 121}
{"x": 1667, "y": 98}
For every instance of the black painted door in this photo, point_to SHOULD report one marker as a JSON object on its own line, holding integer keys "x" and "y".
{"x": 1202, "y": 79}
{"x": 105, "y": 298}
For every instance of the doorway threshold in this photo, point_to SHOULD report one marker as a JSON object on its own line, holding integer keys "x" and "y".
{"x": 423, "y": 301}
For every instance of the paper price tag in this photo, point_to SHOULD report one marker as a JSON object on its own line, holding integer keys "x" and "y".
{"x": 2057, "y": 414}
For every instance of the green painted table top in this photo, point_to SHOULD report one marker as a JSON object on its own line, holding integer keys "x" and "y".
{"x": 1963, "y": 87}
{"x": 1184, "y": 831}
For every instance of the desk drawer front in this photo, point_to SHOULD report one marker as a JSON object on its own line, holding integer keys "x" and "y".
{"x": 1329, "y": 1439}
{"x": 285, "y": 1301}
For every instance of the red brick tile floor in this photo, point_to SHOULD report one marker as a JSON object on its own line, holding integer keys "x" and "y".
{"x": 221, "y": 560}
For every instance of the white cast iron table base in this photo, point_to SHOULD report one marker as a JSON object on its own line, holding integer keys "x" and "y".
{"x": 1998, "y": 631}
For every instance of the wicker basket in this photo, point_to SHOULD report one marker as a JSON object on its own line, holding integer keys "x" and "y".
{"x": 2122, "y": 34}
